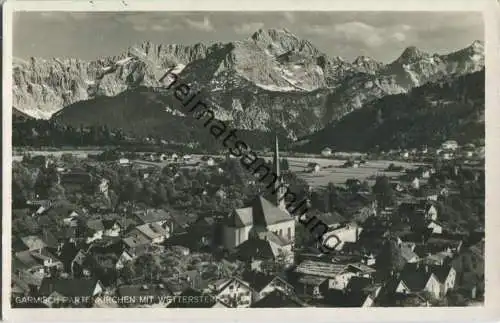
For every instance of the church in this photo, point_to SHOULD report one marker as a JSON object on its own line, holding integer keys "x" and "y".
{"x": 262, "y": 219}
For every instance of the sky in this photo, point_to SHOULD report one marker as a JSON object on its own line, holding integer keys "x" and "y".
{"x": 380, "y": 35}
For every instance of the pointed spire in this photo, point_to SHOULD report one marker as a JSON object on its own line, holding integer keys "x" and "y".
{"x": 276, "y": 157}
{"x": 278, "y": 187}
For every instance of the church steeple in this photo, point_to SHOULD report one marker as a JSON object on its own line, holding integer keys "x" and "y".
{"x": 276, "y": 157}
{"x": 278, "y": 187}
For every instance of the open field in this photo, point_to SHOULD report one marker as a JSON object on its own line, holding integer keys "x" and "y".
{"x": 331, "y": 170}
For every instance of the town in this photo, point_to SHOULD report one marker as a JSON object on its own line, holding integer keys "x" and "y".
{"x": 133, "y": 229}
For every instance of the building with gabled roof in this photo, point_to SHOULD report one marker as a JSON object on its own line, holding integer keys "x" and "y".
{"x": 421, "y": 279}
{"x": 260, "y": 216}
{"x": 54, "y": 288}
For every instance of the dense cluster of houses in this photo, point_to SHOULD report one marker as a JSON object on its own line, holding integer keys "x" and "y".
{"x": 448, "y": 150}
{"x": 258, "y": 263}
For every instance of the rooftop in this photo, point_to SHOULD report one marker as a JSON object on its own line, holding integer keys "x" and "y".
{"x": 260, "y": 212}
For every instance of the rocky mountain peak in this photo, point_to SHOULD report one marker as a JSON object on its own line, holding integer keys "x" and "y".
{"x": 477, "y": 47}
{"x": 366, "y": 64}
{"x": 272, "y": 34}
{"x": 412, "y": 54}
{"x": 279, "y": 41}
{"x": 361, "y": 59}
{"x": 477, "y": 44}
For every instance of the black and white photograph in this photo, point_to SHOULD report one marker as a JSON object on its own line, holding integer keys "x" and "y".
{"x": 247, "y": 159}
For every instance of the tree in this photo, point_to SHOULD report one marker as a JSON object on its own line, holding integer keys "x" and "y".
{"x": 161, "y": 195}
{"x": 56, "y": 192}
{"x": 390, "y": 258}
{"x": 383, "y": 191}
{"x": 148, "y": 266}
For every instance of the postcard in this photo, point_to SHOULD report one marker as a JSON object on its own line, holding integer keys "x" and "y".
{"x": 221, "y": 160}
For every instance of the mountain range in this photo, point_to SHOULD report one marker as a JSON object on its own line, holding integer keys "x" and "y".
{"x": 271, "y": 80}
{"x": 428, "y": 115}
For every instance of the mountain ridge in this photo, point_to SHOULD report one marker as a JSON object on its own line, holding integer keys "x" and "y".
{"x": 427, "y": 115}
{"x": 255, "y": 76}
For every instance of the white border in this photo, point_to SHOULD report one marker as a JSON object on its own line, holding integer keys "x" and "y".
{"x": 491, "y": 310}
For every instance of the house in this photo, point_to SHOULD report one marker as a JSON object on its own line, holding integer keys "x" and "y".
{"x": 28, "y": 243}
{"x": 233, "y": 291}
{"x": 348, "y": 164}
{"x": 431, "y": 194}
{"x": 429, "y": 211}
{"x": 136, "y": 244}
{"x": 124, "y": 257}
{"x": 439, "y": 258}
{"x": 95, "y": 230}
{"x": 398, "y": 187}
{"x": 326, "y": 152}
{"x": 158, "y": 216}
{"x": 311, "y": 286}
{"x": 443, "y": 191}
{"x": 440, "y": 243}
{"x": 346, "y": 233}
{"x": 446, "y": 275}
{"x": 361, "y": 292}
{"x": 395, "y": 292}
{"x": 449, "y": 145}
{"x": 408, "y": 253}
{"x": 104, "y": 186}
{"x": 315, "y": 277}
{"x": 435, "y": 227}
{"x": 112, "y": 227}
{"x": 57, "y": 289}
{"x": 123, "y": 162}
{"x": 209, "y": 161}
{"x": 421, "y": 279}
{"x": 278, "y": 299}
{"x": 77, "y": 264}
{"x": 259, "y": 217}
{"x": 152, "y": 231}
{"x": 415, "y": 183}
{"x": 264, "y": 284}
{"x": 425, "y": 173}
{"x": 369, "y": 259}
{"x": 40, "y": 263}
{"x": 42, "y": 209}
{"x": 313, "y": 167}
{"x": 447, "y": 155}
